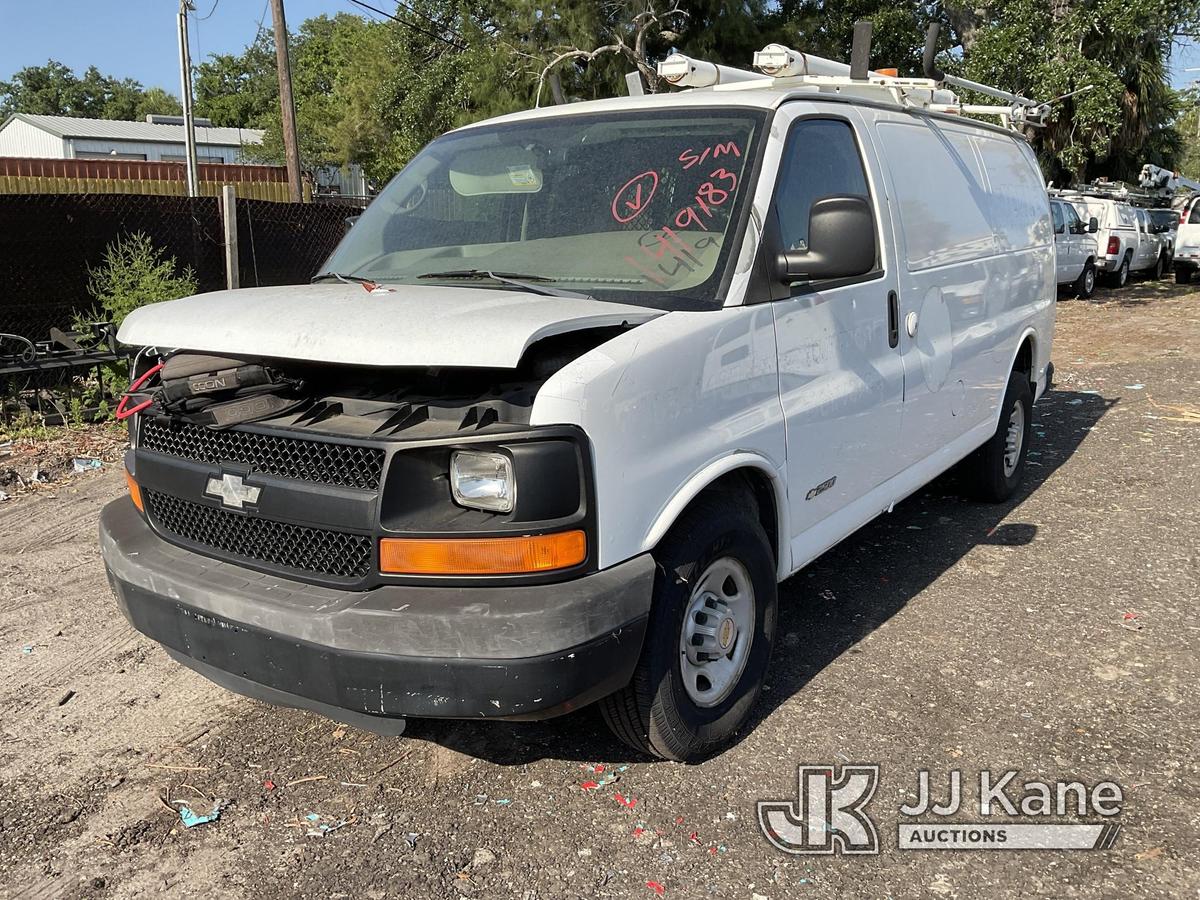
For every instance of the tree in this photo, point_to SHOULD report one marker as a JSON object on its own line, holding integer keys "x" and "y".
{"x": 239, "y": 90}
{"x": 1118, "y": 47}
{"x": 54, "y": 89}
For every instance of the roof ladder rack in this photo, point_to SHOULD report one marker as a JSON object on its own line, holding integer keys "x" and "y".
{"x": 780, "y": 67}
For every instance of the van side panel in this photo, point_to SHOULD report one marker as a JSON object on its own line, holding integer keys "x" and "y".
{"x": 973, "y": 222}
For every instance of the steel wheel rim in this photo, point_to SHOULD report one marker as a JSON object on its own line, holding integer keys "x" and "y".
{"x": 1014, "y": 439}
{"x": 1089, "y": 280}
{"x": 717, "y": 632}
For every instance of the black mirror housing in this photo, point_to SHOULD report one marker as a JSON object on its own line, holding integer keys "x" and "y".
{"x": 841, "y": 242}
{"x": 1093, "y": 225}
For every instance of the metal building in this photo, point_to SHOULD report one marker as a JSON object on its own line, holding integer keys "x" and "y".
{"x": 158, "y": 139}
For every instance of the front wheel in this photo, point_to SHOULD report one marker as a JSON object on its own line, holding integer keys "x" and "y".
{"x": 1085, "y": 284}
{"x": 712, "y": 626}
{"x": 993, "y": 472}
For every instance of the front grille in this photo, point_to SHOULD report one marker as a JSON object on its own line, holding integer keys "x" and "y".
{"x": 345, "y": 465}
{"x": 333, "y": 553}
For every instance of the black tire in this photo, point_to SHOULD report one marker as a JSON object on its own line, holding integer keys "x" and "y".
{"x": 1183, "y": 275}
{"x": 1085, "y": 284}
{"x": 1160, "y": 268}
{"x": 654, "y": 713}
{"x": 986, "y": 475}
{"x": 1120, "y": 278}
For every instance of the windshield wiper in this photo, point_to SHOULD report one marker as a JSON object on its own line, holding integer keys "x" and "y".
{"x": 525, "y": 282}
{"x": 345, "y": 279}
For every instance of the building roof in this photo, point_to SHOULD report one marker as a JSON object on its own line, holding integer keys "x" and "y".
{"x": 145, "y": 132}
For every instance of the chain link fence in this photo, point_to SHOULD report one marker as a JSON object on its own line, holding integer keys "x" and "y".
{"x": 48, "y": 242}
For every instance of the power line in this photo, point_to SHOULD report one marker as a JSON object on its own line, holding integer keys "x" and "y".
{"x": 210, "y": 12}
{"x": 406, "y": 24}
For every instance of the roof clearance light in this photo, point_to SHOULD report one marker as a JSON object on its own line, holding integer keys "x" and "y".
{"x": 779, "y": 61}
{"x": 683, "y": 71}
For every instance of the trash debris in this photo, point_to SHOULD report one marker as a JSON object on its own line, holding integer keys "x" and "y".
{"x": 66, "y": 698}
{"x": 1149, "y": 853}
{"x": 1134, "y": 387}
{"x": 40, "y": 476}
{"x": 502, "y": 801}
{"x": 191, "y": 818}
{"x": 321, "y": 829}
{"x": 627, "y": 802}
{"x": 1132, "y": 621}
{"x": 3, "y": 496}
{"x": 410, "y": 838}
{"x": 268, "y": 785}
{"x": 656, "y": 887}
{"x": 590, "y": 785}
{"x": 83, "y": 464}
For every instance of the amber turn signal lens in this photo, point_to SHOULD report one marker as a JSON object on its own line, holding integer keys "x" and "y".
{"x": 889, "y": 73}
{"x": 482, "y": 556}
{"x": 135, "y": 492}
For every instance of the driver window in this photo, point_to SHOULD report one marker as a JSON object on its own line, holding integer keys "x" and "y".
{"x": 1057, "y": 213}
{"x": 1074, "y": 223}
{"x": 821, "y": 160}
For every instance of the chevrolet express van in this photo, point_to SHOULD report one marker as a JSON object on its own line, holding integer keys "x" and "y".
{"x": 581, "y": 387}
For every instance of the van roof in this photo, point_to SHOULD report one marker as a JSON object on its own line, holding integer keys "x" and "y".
{"x": 767, "y": 94}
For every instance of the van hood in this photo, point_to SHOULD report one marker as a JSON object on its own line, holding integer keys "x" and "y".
{"x": 404, "y": 325}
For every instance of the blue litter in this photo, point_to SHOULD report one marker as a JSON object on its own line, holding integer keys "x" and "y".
{"x": 191, "y": 818}
{"x": 84, "y": 464}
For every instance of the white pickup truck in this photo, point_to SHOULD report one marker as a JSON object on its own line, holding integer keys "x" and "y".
{"x": 574, "y": 395}
{"x": 1127, "y": 238}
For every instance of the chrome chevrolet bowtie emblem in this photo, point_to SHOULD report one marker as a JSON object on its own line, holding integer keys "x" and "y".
{"x": 232, "y": 491}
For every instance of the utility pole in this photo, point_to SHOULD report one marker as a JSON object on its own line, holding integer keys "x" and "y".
{"x": 189, "y": 123}
{"x": 287, "y": 105}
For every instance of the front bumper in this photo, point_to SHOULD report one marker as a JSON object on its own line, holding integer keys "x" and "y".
{"x": 367, "y": 657}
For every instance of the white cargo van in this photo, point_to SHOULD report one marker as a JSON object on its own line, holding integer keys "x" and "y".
{"x": 573, "y": 396}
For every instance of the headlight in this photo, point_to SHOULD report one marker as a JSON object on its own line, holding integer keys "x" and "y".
{"x": 482, "y": 480}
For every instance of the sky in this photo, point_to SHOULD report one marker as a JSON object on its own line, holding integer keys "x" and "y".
{"x": 137, "y": 38}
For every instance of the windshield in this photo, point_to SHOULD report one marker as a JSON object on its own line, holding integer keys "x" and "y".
{"x": 639, "y": 207}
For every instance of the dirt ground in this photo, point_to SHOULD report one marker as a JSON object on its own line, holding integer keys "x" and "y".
{"x": 1056, "y": 635}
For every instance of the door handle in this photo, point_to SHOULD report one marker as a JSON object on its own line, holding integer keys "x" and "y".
{"x": 893, "y": 320}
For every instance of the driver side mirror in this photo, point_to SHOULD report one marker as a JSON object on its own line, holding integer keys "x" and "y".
{"x": 1093, "y": 225}
{"x": 841, "y": 242}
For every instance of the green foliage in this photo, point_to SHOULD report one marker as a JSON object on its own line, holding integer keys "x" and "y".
{"x": 135, "y": 273}
{"x": 53, "y": 89}
{"x": 239, "y": 90}
{"x": 373, "y": 91}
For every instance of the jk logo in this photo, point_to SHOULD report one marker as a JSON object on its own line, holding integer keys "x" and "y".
{"x": 828, "y": 813}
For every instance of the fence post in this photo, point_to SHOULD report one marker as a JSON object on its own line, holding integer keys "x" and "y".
{"x": 229, "y": 213}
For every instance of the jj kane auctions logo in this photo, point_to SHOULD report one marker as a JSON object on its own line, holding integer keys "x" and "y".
{"x": 829, "y": 814}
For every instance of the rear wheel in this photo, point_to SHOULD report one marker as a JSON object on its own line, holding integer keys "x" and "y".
{"x": 1183, "y": 275}
{"x": 1085, "y": 284}
{"x": 1120, "y": 277}
{"x": 1160, "y": 267}
{"x": 712, "y": 626}
{"x": 993, "y": 472}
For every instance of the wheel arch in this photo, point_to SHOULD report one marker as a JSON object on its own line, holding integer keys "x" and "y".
{"x": 743, "y": 470}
